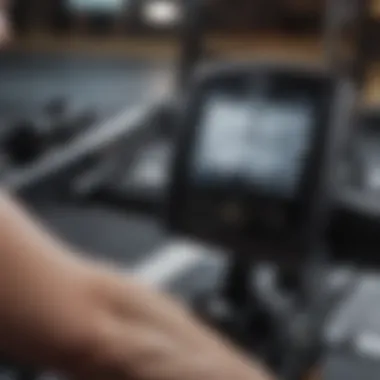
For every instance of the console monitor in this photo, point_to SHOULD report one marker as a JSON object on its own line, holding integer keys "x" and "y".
{"x": 247, "y": 161}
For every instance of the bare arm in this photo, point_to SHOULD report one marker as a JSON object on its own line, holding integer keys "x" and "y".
{"x": 61, "y": 312}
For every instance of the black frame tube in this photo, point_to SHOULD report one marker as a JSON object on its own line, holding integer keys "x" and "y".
{"x": 192, "y": 36}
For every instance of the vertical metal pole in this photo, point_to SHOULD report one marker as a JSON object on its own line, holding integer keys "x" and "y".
{"x": 363, "y": 41}
{"x": 333, "y": 33}
{"x": 20, "y": 11}
{"x": 346, "y": 39}
{"x": 191, "y": 39}
{"x": 344, "y": 33}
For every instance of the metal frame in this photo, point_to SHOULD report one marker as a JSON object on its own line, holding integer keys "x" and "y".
{"x": 345, "y": 17}
{"x": 349, "y": 72}
{"x": 129, "y": 123}
{"x": 191, "y": 39}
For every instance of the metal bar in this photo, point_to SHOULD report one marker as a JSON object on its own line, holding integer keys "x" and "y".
{"x": 93, "y": 141}
{"x": 191, "y": 38}
{"x": 116, "y": 161}
{"x": 341, "y": 15}
{"x": 346, "y": 37}
{"x": 334, "y": 25}
{"x": 363, "y": 40}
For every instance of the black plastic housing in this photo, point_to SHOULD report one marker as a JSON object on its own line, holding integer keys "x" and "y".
{"x": 291, "y": 237}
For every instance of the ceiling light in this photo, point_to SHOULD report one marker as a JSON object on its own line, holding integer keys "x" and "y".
{"x": 162, "y": 12}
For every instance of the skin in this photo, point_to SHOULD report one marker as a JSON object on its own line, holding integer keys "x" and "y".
{"x": 59, "y": 311}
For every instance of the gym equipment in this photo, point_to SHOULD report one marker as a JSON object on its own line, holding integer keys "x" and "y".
{"x": 192, "y": 33}
{"x": 249, "y": 160}
{"x": 154, "y": 117}
{"x": 123, "y": 239}
{"x": 28, "y": 140}
{"x": 350, "y": 207}
{"x": 140, "y": 192}
{"x": 236, "y": 185}
{"x": 225, "y": 192}
{"x": 221, "y": 191}
{"x": 153, "y": 124}
{"x": 354, "y": 228}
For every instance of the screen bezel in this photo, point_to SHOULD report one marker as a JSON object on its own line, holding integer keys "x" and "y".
{"x": 188, "y": 116}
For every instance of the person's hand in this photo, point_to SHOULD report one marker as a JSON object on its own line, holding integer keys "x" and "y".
{"x": 62, "y": 312}
{"x": 148, "y": 336}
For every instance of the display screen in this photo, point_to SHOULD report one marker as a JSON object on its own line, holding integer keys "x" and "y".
{"x": 260, "y": 144}
{"x": 249, "y": 161}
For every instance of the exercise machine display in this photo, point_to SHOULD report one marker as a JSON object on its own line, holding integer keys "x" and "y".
{"x": 249, "y": 160}
{"x": 255, "y": 150}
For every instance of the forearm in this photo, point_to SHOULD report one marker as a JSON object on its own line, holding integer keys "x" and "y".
{"x": 146, "y": 334}
{"x": 42, "y": 290}
{"x": 59, "y": 311}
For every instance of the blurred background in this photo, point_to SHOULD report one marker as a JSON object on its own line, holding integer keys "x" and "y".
{"x": 87, "y": 92}
{"x": 79, "y": 76}
{"x": 148, "y": 31}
